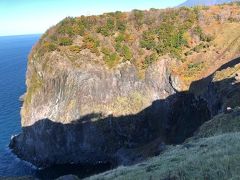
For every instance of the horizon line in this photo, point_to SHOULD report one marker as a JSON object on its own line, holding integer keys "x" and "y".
{"x": 30, "y": 34}
{"x": 93, "y": 14}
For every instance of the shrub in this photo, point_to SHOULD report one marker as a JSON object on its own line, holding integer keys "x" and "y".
{"x": 110, "y": 24}
{"x": 53, "y": 37}
{"x": 105, "y": 51}
{"x": 120, "y": 38}
{"x": 85, "y": 23}
{"x": 129, "y": 37}
{"x": 148, "y": 40}
{"x": 197, "y": 30}
{"x": 127, "y": 53}
{"x": 104, "y": 31}
{"x": 138, "y": 17}
{"x": 199, "y": 47}
{"x": 65, "y": 41}
{"x": 75, "y": 48}
{"x": 170, "y": 39}
{"x": 231, "y": 19}
{"x": 206, "y": 38}
{"x": 203, "y": 37}
{"x": 81, "y": 30}
{"x": 108, "y": 28}
{"x": 34, "y": 84}
{"x": 49, "y": 46}
{"x": 91, "y": 43}
{"x": 66, "y": 30}
{"x": 197, "y": 9}
{"x": 148, "y": 44}
{"x": 120, "y": 25}
{"x": 153, "y": 9}
{"x": 120, "y": 21}
{"x": 66, "y": 26}
{"x": 149, "y": 60}
{"x": 95, "y": 51}
{"x": 171, "y": 34}
{"x": 195, "y": 66}
{"x": 111, "y": 59}
{"x": 118, "y": 47}
{"x": 188, "y": 53}
{"x": 176, "y": 53}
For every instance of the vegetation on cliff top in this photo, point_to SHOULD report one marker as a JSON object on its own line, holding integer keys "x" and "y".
{"x": 192, "y": 36}
{"x": 139, "y": 36}
{"x": 200, "y": 38}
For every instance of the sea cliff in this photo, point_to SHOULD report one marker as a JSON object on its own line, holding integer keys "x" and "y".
{"x": 118, "y": 87}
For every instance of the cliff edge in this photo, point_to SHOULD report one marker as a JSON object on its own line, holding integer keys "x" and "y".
{"x": 99, "y": 87}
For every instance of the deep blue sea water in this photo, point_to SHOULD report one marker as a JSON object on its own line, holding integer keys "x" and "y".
{"x": 13, "y": 63}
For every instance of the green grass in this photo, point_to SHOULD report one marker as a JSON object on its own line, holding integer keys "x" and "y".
{"x": 223, "y": 123}
{"x": 212, "y": 154}
{"x": 215, "y": 157}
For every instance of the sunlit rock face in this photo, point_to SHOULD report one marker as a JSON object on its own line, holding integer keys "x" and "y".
{"x": 91, "y": 114}
{"x": 69, "y": 93}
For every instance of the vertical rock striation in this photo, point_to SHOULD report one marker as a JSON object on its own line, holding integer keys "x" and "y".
{"x": 107, "y": 88}
{"x": 87, "y": 114}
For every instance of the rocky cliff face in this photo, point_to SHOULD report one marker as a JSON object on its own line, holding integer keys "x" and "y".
{"x": 68, "y": 93}
{"x": 117, "y": 99}
{"x": 87, "y": 115}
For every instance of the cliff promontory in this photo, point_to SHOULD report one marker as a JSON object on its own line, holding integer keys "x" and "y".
{"x": 118, "y": 87}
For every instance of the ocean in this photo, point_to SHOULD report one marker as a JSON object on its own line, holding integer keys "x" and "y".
{"x": 13, "y": 63}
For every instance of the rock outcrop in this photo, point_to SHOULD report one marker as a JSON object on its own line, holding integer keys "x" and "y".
{"x": 69, "y": 93}
{"x": 86, "y": 106}
{"x": 88, "y": 115}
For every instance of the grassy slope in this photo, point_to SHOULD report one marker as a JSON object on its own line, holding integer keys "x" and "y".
{"x": 221, "y": 124}
{"x": 212, "y": 154}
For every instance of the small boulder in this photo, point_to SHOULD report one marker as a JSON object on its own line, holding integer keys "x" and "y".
{"x": 228, "y": 110}
{"x": 21, "y": 98}
{"x": 237, "y": 76}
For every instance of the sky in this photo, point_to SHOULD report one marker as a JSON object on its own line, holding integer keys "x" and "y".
{"x": 19, "y": 17}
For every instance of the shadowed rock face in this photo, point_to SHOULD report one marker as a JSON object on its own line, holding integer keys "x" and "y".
{"x": 67, "y": 113}
{"x": 220, "y": 94}
{"x": 58, "y": 132}
{"x": 91, "y": 114}
{"x": 109, "y": 138}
